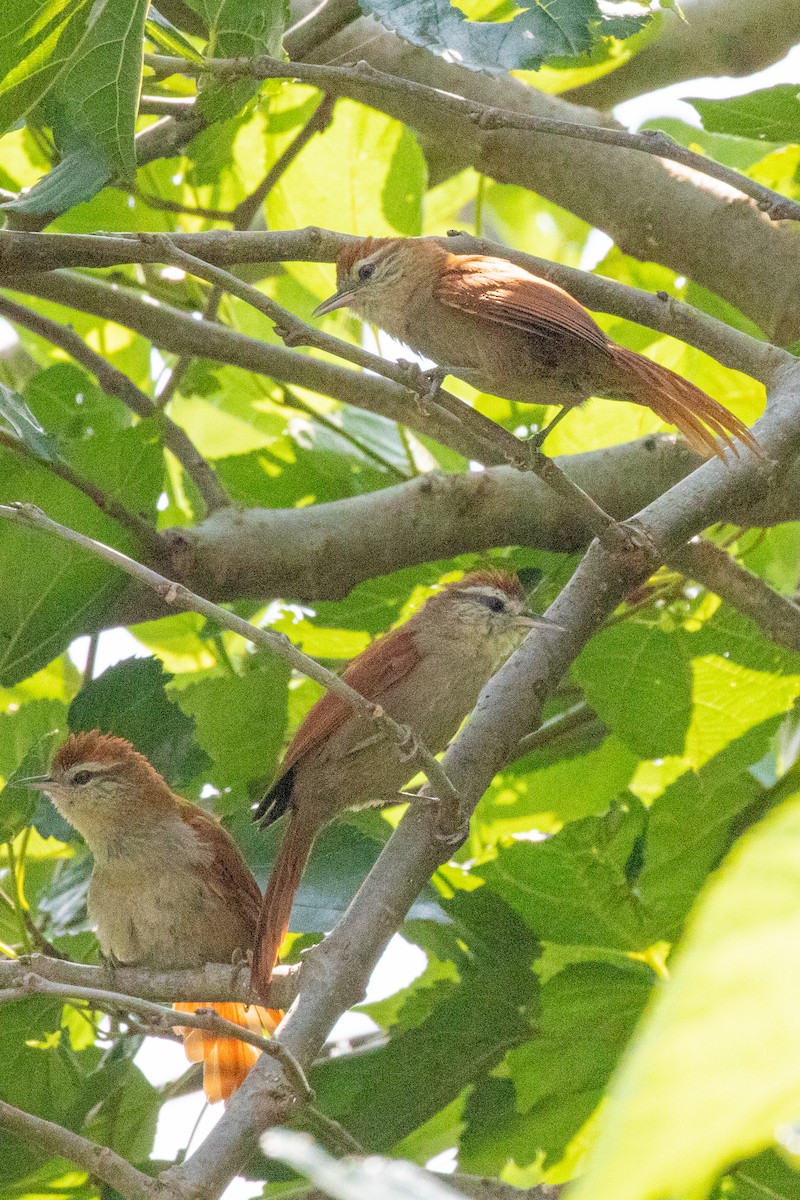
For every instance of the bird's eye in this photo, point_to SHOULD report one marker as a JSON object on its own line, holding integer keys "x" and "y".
{"x": 82, "y": 777}
{"x": 366, "y": 272}
{"x": 493, "y": 603}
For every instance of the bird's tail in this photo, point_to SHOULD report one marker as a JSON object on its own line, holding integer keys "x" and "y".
{"x": 226, "y": 1060}
{"x": 276, "y": 907}
{"x": 700, "y": 419}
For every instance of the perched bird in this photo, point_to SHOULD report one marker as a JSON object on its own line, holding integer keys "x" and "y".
{"x": 510, "y": 333}
{"x": 427, "y": 674}
{"x": 169, "y": 889}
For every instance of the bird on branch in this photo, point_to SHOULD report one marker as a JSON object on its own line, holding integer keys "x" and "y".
{"x": 169, "y": 888}
{"x": 515, "y": 335}
{"x": 426, "y": 674}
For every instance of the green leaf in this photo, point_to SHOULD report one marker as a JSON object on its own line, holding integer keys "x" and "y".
{"x": 26, "y": 747}
{"x": 51, "y": 590}
{"x": 15, "y": 413}
{"x": 238, "y": 29}
{"x": 92, "y": 109}
{"x": 587, "y": 1014}
{"x": 382, "y": 1095}
{"x": 560, "y": 29}
{"x": 130, "y": 700}
{"x": 36, "y": 41}
{"x": 772, "y": 114}
{"x": 689, "y": 828}
{"x": 714, "y": 1070}
{"x": 638, "y": 680}
{"x": 573, "y": 887}
{"x": 240, "y": 720}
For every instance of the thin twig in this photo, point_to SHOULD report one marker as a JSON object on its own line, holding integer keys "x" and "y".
{"x": 408, "y": 745}
{"x": 364, "y": 79}
{"x": 244, "y": 212}
{"x": 115, "y": 383}
{"x": 146, "y": 535}
{"x": 556, "y": 727}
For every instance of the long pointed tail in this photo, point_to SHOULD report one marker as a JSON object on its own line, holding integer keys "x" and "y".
{"x": 699, "y": 418}
{"x": 226, "y": 1060}
{"x": 276, "y": 907}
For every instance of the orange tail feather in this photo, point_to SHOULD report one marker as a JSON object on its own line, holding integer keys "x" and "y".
{"x": 276, "y": 907}
{"x": 226, "y": 1060}
{"x": 678, "y": 402}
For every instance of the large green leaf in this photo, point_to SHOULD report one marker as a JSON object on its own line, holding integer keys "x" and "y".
{"x": 714, "y": 1071}
{"x": 36, "y": 41}
{"x": 573, "y": 887}
{"x": 92, "y": 109}
{"x": 560, "y": 29}
{"x": 772, "y": 114}
{"x": 238, "y": 29}
{"x": 587, "y": 1014}
{"x": 130, "y": 700}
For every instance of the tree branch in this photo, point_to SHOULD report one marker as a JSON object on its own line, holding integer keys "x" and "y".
{"x": 115, "y": 383}
{"x": 362, "y": 82}
{"x": 100, "y": 1161}
{"x": 718, "y": 37}
{"x": 23, "y": 253}
{"x": 212, "y": 982}
{"x": 777, "y": 616}
{"x": 408, "y": 746}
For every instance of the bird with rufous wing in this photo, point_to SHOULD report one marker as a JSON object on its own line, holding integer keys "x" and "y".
{"x": 426, "y": 674}
{"x": 169, "y": 888}
{"x": 513, "y": 334}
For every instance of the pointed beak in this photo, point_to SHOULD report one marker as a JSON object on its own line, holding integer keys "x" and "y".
{"x": 339, "y": 299}
{"x": 529, "y": 620}
{"x": 32, "y": 781}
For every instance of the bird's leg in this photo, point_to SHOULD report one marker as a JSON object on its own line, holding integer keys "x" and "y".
{"x": 536, "y": 440}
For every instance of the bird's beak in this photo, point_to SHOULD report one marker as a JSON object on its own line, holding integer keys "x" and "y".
{"x": 339, "y": 299}
{"x": 32, "y": 781}
{"x": 529, "y": 620}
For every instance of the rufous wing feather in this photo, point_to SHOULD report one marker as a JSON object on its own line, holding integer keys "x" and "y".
{"x": 374, "y": 673}
{"x": 496, "y": 290}
{"x": 226, "y": 1060}
{"x": 376, "y": 670}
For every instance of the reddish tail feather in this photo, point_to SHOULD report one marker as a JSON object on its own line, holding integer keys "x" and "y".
{"x": 226, "y": 1060}
{"x": 276, "y": 907}
{"x": 700, "y": 419}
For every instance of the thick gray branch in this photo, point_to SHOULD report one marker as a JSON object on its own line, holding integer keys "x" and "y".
{"x": 654, "y": 210}
{"x": 215, "y": 981}
{"x": 719, "y": 37}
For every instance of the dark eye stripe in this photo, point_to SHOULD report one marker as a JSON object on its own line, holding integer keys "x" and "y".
{"x": 493, "y": 603}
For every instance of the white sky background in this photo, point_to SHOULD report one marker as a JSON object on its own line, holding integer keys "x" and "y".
{"x": 162, "y": 1061}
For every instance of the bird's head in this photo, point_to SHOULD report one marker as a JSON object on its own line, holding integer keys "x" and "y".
{"x": 488, "y": 611}
{"x": 102, "y": 786}
{"x": 375, "y": 276}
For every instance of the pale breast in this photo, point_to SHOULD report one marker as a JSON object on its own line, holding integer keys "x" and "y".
{"x": 156, "y": 909}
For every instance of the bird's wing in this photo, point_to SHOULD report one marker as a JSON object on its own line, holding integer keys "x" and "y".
{"x": 377, "y": 669}
{"x": 226, "y": 874}
{"x": 498, "y": 291}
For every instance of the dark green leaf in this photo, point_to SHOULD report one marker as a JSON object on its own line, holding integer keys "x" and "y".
{"x": 130, "y": 700}
{"x": 36, "y": 41}
{"x": 560, "y": 29}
